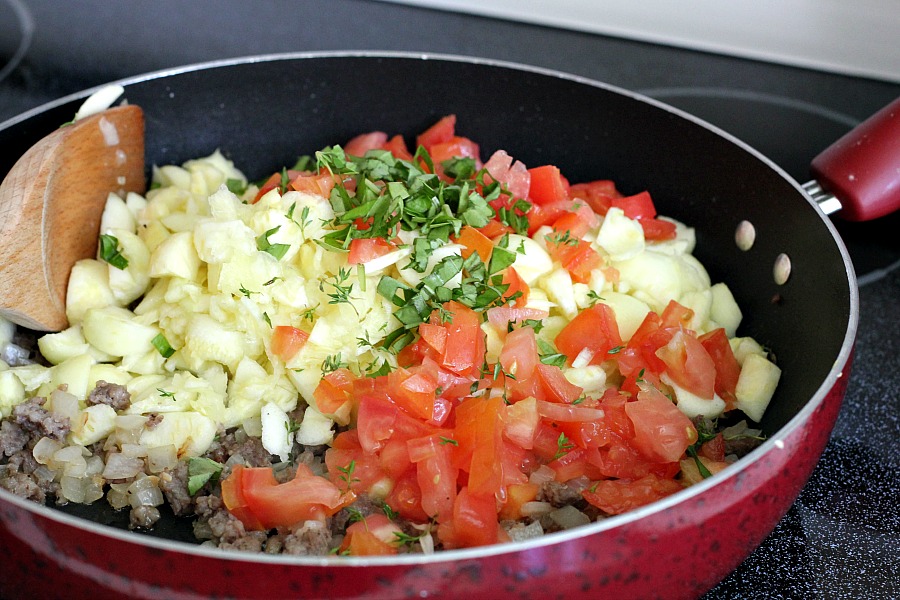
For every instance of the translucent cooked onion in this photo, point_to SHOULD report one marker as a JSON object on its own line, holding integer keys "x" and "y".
{"x": 119, "y": 466}
{"x": 93, "y": 489}
{"x": 145, "y": 491}
{"x": 64, "y": 405}
{"x": 161, "y": 458}
{"x": 70, "y": 460}
{"x": 72, "y": 488}
{"x": 536, "y": 509}
{"x": 568, "y": 517}
{"x": 44, "y": 450}
{"x": 129, "y": 428}
{"x": 134, "y": 450}
{"x": 117, "y": 496}
{"x": 542, "y": 475}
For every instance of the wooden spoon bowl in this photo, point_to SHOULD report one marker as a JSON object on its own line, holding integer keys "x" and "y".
{"x": 51, "y": 203}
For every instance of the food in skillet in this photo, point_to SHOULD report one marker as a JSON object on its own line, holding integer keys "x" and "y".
{"x": 377, "y": 351}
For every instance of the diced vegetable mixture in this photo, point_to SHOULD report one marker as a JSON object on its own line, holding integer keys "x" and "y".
{"x": 380, "y": 350}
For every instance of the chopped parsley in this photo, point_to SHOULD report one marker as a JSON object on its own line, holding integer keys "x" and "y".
{"x": 162, "y": 346}
{"x": 200, "y": 471}
{"x": 109, "y": 251}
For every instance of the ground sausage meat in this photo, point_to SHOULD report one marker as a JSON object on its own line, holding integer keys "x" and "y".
{"x": 34, "y": 418}
{"x": 111, "y": 394}
{"x": 12, "y": 438}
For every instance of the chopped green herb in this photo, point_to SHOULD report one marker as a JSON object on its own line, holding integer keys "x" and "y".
{"x": 162, "y": 346}
{"x": 563, "y": 446}
{"x": 109, "y": 251}
{"x": 200, "y": 471}
{"x": 446, "y": 440}
{"x": 276, "y": 250}
{"x": 236, "y": 186}
{"x": 163, "y": 393}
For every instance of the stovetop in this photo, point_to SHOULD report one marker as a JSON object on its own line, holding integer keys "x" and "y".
{"x": 841, "y": 539}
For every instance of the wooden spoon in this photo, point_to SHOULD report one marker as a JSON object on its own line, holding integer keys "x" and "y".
{"x": 51, "y": 203}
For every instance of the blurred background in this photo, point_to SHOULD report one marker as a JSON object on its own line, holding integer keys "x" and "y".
{"x": 788, "y": 77}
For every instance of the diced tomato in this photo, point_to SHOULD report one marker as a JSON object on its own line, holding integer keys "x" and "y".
{"x": 235, "y": 501}
{"x": 690, "y": 472}
{"x": 495, "y": 229}
{"x": 406, "y": 498}
{"x": 273, "y": 182}
{"x": 362, "y": 250}
{"x": 435, "y": 474}
{"x": 501, "y": 316}
{"x": 413, "y": 392}
{"x": 479, "y": 427}
{"x": 397, "y": 146}
{"x": 274, "y": 504}
{"x": 547, "y": 185}
{"x": 520, "y": 423}
{"x": 555, "y": 386}
{"x": 455, "y": 147}
{"x": 576, "y": 223}
{"x": 435, "y": 336}
{"x": 287, "y": 341}
{"x": 662, "y": 433}
{"x": 317, "y": 184}
{"x": 513, "y": 175}
{"x": 440, "y": 132}
{"x": 676, "y": 315}
{"x": 598, "y": 194}
{"x": 569, "y": 464}
{"x": 562, "y": 413}
{"x": 728, "y": 370}
{"x": 334, "y": 394}
{"x": 361, "y": 144}
{"x": 474, "y": 521}
{"x": 546, "y": 214}
{"x": 516, "y": 287}
{"x": 519, "y": 355}
{"x": 689, "y": 364}
{"x": 658, "y": 230}
{"x": 517, "y": 495}
{"x": 617, "y": 496}
{"x": 464, "y": 350}
{"x": 373, "y": 536}
{"x": 714, "y": 449}
{"x": 474, "y": 240}
{"x": 593, "y": 330}
{"x": 576, "y": 256}
{"x": 638, "y": 206}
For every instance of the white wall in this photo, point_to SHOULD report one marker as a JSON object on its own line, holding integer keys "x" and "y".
{"x": 857, "y": 37}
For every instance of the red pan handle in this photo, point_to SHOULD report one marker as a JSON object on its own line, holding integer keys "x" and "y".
{"x": 862, "y": 169}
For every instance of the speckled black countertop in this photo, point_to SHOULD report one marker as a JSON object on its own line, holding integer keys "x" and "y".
{"x": 841, "y": 539}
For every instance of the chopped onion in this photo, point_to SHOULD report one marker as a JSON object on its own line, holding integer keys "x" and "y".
{"x": 427, "y": 544}
{"x": 117, "y": 495}
{"x": 134, "y": 450}
{"x": 44, "y": 450}
{"x": 129, "y": 428}
{"x": 72, "y": 488}
{"x": 583, "y": 358}
{"x": 161, "y": 458}
{"x": 568, "y": 517}
{"x": 532, "y": 530}
{"x": 71, "y": 461}
{"x": 542, "y": 475}
{"x": 119, "y": 466}
{"x": 536, "y": 509}
{"x": 64, "y": 405}
{"x": 93, "y": 489}
{"x": 145, "y": 492}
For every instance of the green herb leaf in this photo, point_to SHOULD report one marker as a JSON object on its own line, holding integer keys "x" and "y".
{"x": 162, "y": 346}
{"x": 276, "y": 250}
{"x": 200, "y": 471}
{"x": 109, "y": 251}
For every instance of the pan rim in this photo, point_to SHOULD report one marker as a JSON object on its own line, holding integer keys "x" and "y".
{"x": 775, "y": 443}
